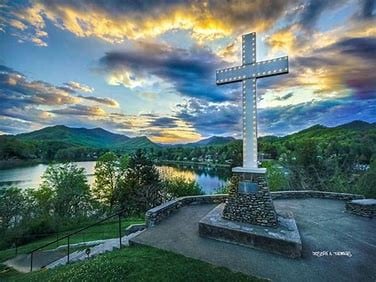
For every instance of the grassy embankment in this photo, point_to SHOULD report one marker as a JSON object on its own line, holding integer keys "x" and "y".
{"x": 136, "y": 264}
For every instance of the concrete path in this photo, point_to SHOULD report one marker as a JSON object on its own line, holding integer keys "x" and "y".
{"x": 21, "y": 263}
{"x": 323, "y": 225}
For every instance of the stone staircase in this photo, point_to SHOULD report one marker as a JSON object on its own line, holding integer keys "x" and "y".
{"x": 105, "y": 246}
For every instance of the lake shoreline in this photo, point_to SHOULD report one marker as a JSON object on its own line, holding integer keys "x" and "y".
{"x": 18, "y": 163}
{"x": 192, "y": 163}
{"x": 210, "y": 178}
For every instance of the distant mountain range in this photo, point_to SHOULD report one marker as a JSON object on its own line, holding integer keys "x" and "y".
{"x": 101, "y": 138}
{"x": 214, "y": 140}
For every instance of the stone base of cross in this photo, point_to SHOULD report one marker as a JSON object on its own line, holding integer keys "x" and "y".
{"x": 248, "y": 73}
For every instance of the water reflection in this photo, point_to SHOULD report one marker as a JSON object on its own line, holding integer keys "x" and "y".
{"x": 209, "y": 178}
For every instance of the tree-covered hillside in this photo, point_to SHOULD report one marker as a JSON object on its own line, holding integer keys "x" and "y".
{"x": 94, "y": 138}
{"x": 63, "y": 143}
{"x": 353, "y": 143}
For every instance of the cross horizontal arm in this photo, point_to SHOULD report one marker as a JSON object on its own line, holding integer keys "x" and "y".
{"x": 256, "y": 70}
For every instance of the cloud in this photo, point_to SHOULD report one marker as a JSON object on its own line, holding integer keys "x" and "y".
{"x": 17, "y": 91}
{"x": 27, "y": 113}
{"x": 313, "y": 9}
{"x": 148, "y": 96}
{"x": 367, "y": 9}
{"x": 160, "y": 129}
{"x": 102, "y": 100}
{"x": 210, "y": 118}
{"x": 37, "y": 103}
{"x": 339, "y": 65}
{"x": 285, "y": 97}
{"x": 26, "y": 22}
{"x": 115, "y": 20}
{"x": 339, "y": 68}
{"x": 174, "y": 135}
{"x": 81, "y": 110}
{"x": 190, "y": 72}
{"x": 13, "y": 126}
{"x": 361, "y": 47}
{"x": 164, "y": 122}
{"x": 293, "y": 118}
{"x": 76, "y": 86}
{"x": 17, "y": 24}
{"x": 21, "y": 97}
{"x": 284, "y": 39}
{"x": 299, "y": 36}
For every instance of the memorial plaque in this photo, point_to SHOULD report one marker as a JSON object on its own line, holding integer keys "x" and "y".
{"x": 247, "y": 187}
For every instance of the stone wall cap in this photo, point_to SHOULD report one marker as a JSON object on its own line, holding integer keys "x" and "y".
{"x": 364, "y": 202}
{"x": 249, "y": 169}
{"x": 163, "y": 206}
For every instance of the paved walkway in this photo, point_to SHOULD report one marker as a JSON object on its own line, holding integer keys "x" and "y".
{"x": 323, "y": 225}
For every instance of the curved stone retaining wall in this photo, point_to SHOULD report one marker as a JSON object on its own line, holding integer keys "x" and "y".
{"x": 314, "y": 194}
{"x": 157, "y": 214}
{"x": 366, "y": 207}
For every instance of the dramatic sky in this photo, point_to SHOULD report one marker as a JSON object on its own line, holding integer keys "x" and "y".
{"x": 148, "y": 67}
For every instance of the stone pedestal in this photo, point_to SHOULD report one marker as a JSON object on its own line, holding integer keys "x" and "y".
{"x": 248, "y": 217}
{"x": 283, "y": 239}
{"x": 250, "y": 200}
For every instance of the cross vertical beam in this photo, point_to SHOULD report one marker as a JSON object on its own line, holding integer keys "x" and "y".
{"x": 249, "y": 48}
{"x": 249, "y": 123}
{"x": 249, "y": 103}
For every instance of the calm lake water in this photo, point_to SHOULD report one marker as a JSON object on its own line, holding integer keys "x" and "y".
{"x": 209, "y": 178}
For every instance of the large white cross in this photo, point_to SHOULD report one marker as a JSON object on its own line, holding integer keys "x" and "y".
{"x": 247, "y": 73}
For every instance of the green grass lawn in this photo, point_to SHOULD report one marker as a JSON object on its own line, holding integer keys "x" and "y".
{"x": 136, "y": 264}
{"x": 104, "y": 231}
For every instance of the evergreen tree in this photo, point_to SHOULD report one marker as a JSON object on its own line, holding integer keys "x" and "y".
{"x": 139, "y": 187}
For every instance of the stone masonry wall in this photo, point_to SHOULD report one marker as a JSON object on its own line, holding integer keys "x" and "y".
{"x": 305, "y": 194}
{"x": 254, "y": 208}
{"x": 365, "y": 208}
{"x": 157, "y": 214}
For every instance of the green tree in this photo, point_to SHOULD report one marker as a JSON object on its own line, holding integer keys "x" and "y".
{"x": 139, "y": 187}
{"x": 71, "y": 191}
{"x": 39, "y": 206}
{"x": 106, "y": 176}
{"x": 277, "y": 180}
{"x": 12, "y": 203}
{"x": 179, "y": 187}
{"x": 367, "y": 182}
{"x": 12, "y": 215}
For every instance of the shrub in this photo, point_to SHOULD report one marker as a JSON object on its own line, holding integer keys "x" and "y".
{"x": 179, "y": 187}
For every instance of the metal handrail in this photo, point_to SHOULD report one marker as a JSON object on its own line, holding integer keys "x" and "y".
{"x": 74, "y": 233}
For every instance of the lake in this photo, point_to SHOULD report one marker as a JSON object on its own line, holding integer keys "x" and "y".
{"x": 209, "y": 178}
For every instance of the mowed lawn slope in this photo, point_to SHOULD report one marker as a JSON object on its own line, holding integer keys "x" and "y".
{"x": 137, "y": 263}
